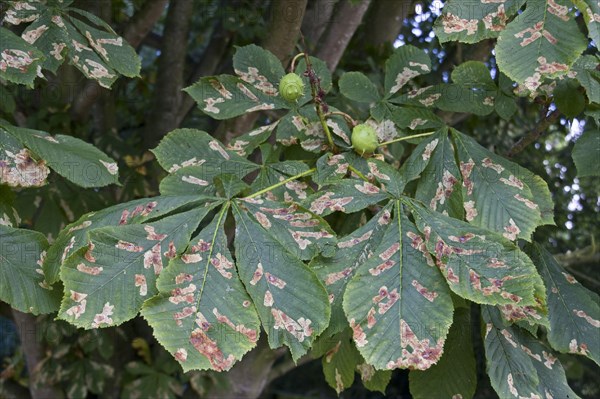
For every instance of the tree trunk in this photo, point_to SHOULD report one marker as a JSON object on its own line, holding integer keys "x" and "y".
{"x": 170, "y": 77}
{"x": 385, "y": 21}
{"x": 347, "y": 18}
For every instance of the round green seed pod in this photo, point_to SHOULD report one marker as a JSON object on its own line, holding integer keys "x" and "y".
{"x": 364, "y": 139}
{"x": 291, "y": 87}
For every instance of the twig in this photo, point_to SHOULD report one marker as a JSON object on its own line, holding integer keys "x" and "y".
{"x": 318, "y": 95}
{"x": 293, "y": 64}
{"x": 536, "y": 133}
{"x": 347, "y": 117}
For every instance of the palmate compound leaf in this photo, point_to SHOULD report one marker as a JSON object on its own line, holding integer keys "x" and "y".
{"x": 573, "y": 311}
{"x": 518, "y": 364}
{"x": 22, "y": 283}
{"x": 352, "y": 251}
{"x": 455, "y": 375}
{"x": 482, "y": 266}
{"x": 70, "y": 157}
{"x": 543, "y": 41}
{"x": 74, "y": 236}
{"x": 100, "y": 54}
{"x": 291, "y": 301}
{"x": 194, "y": 158}
{"x": 498, "y": 194}
{"x": 107, "y": 281}
{"x": 203, "y": 315}
{"x": 400, "y": 298}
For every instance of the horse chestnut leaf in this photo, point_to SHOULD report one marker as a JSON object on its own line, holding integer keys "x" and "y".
{"x": 291, "y": 87}
{"x": 364, "y": 139}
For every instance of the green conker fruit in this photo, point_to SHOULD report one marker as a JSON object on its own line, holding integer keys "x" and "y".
{"x": 291, "y": 87}
{"x": 364, "y": 139}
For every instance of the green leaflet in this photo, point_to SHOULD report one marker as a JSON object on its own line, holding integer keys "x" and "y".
{"x": 418, "y": 160}
{"x": 302, "y": 126}
{"x": 439, "y": 186}
{"x": 455, "y": 375}
{"x": 107, "y": 282}
{"x": 245, "y": 144}
{"x": 406, "y": 62}
{"x": 474, "y": 21}
{"x": 518, "y": 364}
{"x": 478, "y": 100}
{"x": 414, "y": 118}
{"x": 357, "y": 87}
{"x": 331, "y": 168}
{"x": 573, "y": 311}
{"x": 373, "y": 380}
{"x": 303, "y": 233}
{"x": 590, "y": 9}
{"x": 194, "y": 158}
{"x": 499, "y": 194}
{"x": 348, "y": 195}
{"x": 22, "y": 282}
{"x": 292, "y": 304}
{"x": 25, "y": 60}
{"x": 352, "y": 251}
{"x": 203, "y": 315}
{"x": 482, "y": 266}
{"x": 19, "y": 167}
{"x": 543, "y": 41}
{"x": 74, "y": 236}
{"x": 588, "y": 76}
{"x": 586, "y": 152}
{"x": 340, "y": 361}
{"x": 273, "y": 173}
{"x": 227, "y": 96}
{"x": 380, "y": 301}
{"x": 258, "y": 67}
{"x": 72, "y": 158}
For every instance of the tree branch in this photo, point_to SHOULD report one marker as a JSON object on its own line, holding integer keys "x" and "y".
{"x": 347, "y": 18}
{"x": 167, "y": 95}
{"x": 140, "y": 25}
{"x": 584, "y": 256}
{"x": 546, "y": 121}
